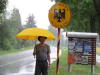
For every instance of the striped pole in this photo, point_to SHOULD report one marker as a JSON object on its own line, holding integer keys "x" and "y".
{"x": 58, "y": 50}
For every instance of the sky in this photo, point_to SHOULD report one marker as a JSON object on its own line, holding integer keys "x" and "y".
{"x": 39, "y": 8}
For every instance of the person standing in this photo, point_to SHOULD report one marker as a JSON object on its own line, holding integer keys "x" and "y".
{"x": 42, "y": 53}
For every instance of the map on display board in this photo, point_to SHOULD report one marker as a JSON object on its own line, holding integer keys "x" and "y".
{"x": 81, "y": 51}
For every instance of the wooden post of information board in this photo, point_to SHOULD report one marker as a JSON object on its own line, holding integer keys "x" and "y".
{"x": 69, "y": 68}
{"x": 93, "y": 56}
{"x": 92, "y": 69}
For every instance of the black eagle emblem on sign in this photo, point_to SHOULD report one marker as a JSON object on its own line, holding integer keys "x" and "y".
{"x": 59, "y": 14}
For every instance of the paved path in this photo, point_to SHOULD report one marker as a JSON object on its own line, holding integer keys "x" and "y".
{"x": 22, "y": 63}
{"x": 97, "y": 58}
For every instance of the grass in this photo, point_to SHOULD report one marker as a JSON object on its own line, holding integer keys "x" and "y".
{"x": 3, "y": 52}
{"x": 98, "y": 50}
{"x": 76, "y": 69}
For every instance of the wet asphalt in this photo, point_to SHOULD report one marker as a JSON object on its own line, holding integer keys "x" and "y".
{"x": 21, "y": 63}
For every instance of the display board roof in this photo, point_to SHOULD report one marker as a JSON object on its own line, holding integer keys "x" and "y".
{"x": 82, "y": 34}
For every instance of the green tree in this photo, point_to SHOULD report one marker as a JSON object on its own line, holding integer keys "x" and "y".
{"x": 30, "y": 23}
{"x": 3, "y": 4}
{"x": 15, "y": 24}
{"x": 16, "y": 19}
{"x": 97, "y": 5}
{"x": 4, "y": 33}
{"x": 82, "y": 11}
{"x": 10, "y": 26}
{"x": 95, "y": 19}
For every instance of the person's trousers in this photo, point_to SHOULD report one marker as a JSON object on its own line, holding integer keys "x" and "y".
{"x": 41, "y": 67}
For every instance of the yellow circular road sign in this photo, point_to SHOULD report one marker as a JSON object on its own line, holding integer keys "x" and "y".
{"x": 59, "y": 15}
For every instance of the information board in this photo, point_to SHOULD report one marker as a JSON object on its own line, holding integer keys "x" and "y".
{"x": 82, "y": 51}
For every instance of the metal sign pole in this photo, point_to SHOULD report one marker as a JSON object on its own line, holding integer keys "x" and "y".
{"x": 58, "y": 50}
{"x": 59, "y": 17}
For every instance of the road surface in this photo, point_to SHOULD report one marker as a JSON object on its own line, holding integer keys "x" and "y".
{"x": 21, "y": 63}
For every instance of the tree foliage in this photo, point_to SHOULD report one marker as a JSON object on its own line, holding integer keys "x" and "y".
{"x": 82, "y": 11}
{"x": 3, "y": 4}
{"x": 10, "y": 25}
{"x": 4, "y": 34}
{"x": 30, "y": 23}
{"x": 97, "y": 5}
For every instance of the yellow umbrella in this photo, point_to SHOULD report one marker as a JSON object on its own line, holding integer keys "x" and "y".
{"x": 33, "y": 33}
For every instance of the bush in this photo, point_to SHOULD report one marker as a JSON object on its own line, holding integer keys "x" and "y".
{"x": 6, "y": 45}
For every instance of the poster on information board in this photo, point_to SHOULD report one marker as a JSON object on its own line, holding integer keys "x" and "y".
{"x": 81, "y": 50}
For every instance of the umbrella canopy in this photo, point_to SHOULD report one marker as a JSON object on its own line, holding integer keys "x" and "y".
{"x": 33, "y": 33}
